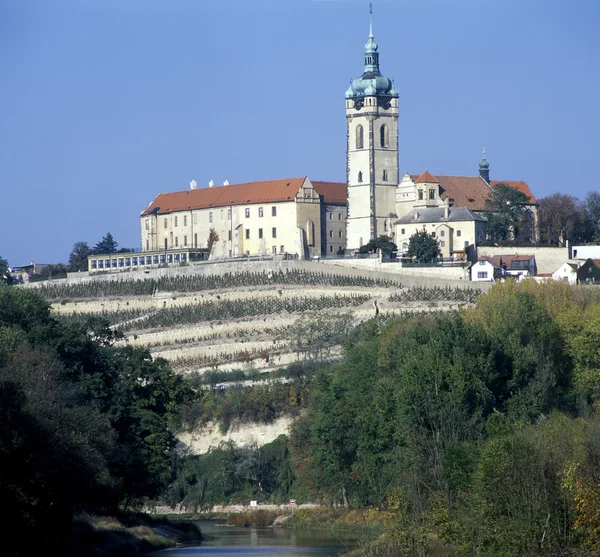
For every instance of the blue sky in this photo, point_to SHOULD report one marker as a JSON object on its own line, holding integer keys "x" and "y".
{"x": 106, "y": 103}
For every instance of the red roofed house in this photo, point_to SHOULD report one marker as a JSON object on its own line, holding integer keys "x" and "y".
{"x": 294, "y": 216}
{"x": 426, "y": 190}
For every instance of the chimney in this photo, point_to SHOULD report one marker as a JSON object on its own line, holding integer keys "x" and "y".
{"x": 193, "y": 185}
{"x": 211, "y": 184}
{"x": 226, "y": 183}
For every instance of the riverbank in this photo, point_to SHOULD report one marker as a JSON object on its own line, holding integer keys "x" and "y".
{"x": 127, "y": 535}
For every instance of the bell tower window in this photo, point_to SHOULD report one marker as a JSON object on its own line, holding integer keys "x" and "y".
{"x": 360, "y": 137}
{"x": 384, "y": 136}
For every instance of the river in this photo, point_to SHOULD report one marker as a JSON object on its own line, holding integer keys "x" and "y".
{"x": 226, "y": 541}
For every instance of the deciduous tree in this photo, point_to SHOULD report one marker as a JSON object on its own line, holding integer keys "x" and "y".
{"x": 423, "y": 246}
{"x": 78, "y": 259}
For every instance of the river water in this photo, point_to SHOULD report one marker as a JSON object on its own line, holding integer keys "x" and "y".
{"x": 226, "y": 541}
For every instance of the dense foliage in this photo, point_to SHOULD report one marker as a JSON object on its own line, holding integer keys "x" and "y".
{"x": 478, "y": 428}
{"x": 86, "y": 426}
{"x": 382, "y": 244}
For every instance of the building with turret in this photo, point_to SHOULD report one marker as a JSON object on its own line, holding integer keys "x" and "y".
{"x": 378, "y": 198}
{"x": 372, "y": 150}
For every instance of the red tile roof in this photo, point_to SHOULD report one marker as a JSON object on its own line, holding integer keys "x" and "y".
{"x": 270, "y": 191}
{"x": 471, "y": 191}
{"x": 332, "y": 192}
{"x": 426, "y": 177}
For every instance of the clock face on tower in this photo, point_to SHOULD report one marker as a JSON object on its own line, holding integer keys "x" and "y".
{"x": 359, "y": 103}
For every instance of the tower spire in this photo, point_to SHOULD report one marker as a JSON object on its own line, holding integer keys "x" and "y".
{"x": 484, "y": 168}
{"x": 371, "y": 54}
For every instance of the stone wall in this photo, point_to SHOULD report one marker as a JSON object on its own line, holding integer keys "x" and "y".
{"x": 418, "y": 276}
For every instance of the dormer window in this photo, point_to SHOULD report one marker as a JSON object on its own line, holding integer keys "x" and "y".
{"x": 431, "y": 194}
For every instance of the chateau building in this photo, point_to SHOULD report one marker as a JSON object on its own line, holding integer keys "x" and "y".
{"x": 293, "y": 216}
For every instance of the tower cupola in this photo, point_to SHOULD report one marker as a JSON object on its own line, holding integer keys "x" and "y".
{"x": 484, "y": 168}
{"x": 371, "y": 82}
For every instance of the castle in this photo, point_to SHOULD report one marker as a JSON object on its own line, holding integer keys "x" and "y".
{"x": 307, "y": 218}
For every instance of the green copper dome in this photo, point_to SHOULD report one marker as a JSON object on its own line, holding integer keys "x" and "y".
{"x": 371, "y": 82}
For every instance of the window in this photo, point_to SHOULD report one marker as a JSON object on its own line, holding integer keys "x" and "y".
{"x": 443, "y": 243}
{"x": 147, "y": 225}
{"x": 442, "y": 233}
{"x": 260, "y": 211}
{"x": 360, "y": 176}
{"x": 184, "y": 220}
{"x": 385, "y": 225}
{"x": 433, "y": 234}
{"x": 466, "y": 243}
{"x": 273, "y": 213}
{"x": 384, "y": 136}
{"x": 420, "y": 194}
{"x": 274, "y": 231}
{"x": 281, "y": 249}
{"x": 147, "y": 245}
{"x": 330, "y": 249}
{"x": 431, "y": 194}
{"x": 385, "y": 176}
{"x": 330, "y": 216}
{"x": 482, "y": 274}
{"x": 94, "y": 264}
{"x": 247, "y": 233}
{"x": 247, "y": 212}
{"x": 310, "y": 232}
{"x": 260, "y": 233}
{"x": 482, "y": 262}
{"x": 210, "y": 216}
{"x": 331, "y": 233}
{"x": 458, "y": 233}
{"x": 175, "y": 221}
{"x": 134, "y": 260}
{"x": 402, "y": 231}
{"x": 274, "y": 249}
{"x": 185, "y": 240}
{"x": 176, "y": 241}
{"x": 340, "y": 234}
{"x": 229, "y": 235}
{"x": 360, "y": 136}
{"x": 339, "y": 216}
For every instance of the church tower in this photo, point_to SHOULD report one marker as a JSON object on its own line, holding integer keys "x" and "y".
{"x": 372, "y": 150}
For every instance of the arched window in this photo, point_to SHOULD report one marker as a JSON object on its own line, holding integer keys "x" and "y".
{"x": 360, "y": 176}
{"x": 360, "y": 137}
{"x": 384, "y": 136}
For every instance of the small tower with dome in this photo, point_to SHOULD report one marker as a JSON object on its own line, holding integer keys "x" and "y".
{"x": 372, "y": 150}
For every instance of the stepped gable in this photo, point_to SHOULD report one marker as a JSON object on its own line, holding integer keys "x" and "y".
{"x": 332, "y": 192}
{"x": 471, "y": 191}
{"x": 269, "y": 191}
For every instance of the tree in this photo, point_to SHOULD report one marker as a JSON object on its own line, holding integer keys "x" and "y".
{"x": 106, "y": 245}
{"x": 562, "y": 218}
{"x": 78, "y": 259}
{"x": 383, "y": 243}
{"x": 4, "y": 276}
{"x": 213, "y": 237}
{"x": 592, "y": 209}
{"x": 507, "y": 214}
{"x": 423, "y": 246}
